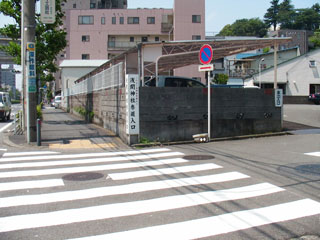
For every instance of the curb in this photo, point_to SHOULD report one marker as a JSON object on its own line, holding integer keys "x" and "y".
{"x": 157, "y": 144}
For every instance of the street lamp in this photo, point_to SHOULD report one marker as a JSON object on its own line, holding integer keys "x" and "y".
{"x": 261, "y": 60}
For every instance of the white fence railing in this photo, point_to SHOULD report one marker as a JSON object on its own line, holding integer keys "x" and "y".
{"x": 111, "y": 77}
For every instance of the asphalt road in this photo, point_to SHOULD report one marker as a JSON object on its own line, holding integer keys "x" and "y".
{"x": 262, "y": 188}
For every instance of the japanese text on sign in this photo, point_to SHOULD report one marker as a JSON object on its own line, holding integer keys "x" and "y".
{"x": 132, "y": 99}
{"x": 31, "y": 67}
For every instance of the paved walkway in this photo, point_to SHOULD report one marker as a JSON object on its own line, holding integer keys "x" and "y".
{"x": 61, "y": 130}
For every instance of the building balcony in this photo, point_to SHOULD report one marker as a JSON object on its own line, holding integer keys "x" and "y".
{"x": 242, "y": 73}
{"x": 121, "y": 45}
{"x": 166, "y": 27}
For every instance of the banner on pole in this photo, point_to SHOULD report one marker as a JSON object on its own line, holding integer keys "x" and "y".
{"x": 31, "y": 68}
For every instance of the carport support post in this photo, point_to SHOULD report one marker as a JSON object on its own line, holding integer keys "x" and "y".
{"x": 209, "y": 106}
{"x": 275, "y": 66}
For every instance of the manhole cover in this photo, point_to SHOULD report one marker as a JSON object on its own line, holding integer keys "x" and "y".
{"x": 313, "y": 169}
{"x": 84, "y": 176}
{"x": 198, "y": 157}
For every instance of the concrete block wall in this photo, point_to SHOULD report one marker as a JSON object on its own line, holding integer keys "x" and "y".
{"x": 109, "y": 109}
{"x": 174, "y": 114}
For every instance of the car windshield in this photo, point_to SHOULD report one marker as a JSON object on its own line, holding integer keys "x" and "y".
{"x": 58, "y": 99}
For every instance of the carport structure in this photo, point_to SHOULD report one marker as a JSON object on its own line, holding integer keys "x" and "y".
{"x": 153, "y": 58}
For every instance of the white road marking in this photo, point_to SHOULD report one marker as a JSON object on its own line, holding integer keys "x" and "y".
{"x": 5, "y": 127}
{"x": 315, "y": 154}
{"x": 226, "y": 223}
{"x": 83, "y": 155}
{"x": 3, "y": 149}
{"x": 16, "y": 154}
{"x": 28, "y": 221}
{"x": 30, "y": 173}
{"x": 30, "y": 184}
{"x": 163, "y": 171}
{"x": 117, "y": 190}
{"x": 92, "y": 160}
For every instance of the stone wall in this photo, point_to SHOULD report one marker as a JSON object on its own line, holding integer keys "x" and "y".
{"x": 174, "y": 114}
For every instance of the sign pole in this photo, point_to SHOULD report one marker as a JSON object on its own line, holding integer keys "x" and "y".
{"x": 209, "y": 106}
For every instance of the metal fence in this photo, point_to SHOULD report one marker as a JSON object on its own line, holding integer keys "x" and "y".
{"x": 111, "y": 77}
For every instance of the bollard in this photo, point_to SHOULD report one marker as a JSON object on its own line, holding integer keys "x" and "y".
{"x": 38, "y": 132}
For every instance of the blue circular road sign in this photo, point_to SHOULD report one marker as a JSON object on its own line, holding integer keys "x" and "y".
{"x": 206, "y": 54}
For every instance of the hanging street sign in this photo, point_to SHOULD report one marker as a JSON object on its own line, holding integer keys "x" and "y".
{"x": 206, "y": 54}
{"x": 48, "y": 11}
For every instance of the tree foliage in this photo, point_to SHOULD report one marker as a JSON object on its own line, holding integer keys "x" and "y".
{"x": 271, "y": 18}
{"x": 221, "y": 78}
{"x": 315, "y": 40}
{"x": 245, "y": 27}
{"x": 50, "y": 38}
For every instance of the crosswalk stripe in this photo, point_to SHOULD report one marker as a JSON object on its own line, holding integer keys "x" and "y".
{"x": 315, "y": 154}
{"x": 163, "y": 171}
{"x": 28, "y": 221}
{"x": 92, "y": 160}
{"x": 30, "y": 173}
{"x": 30, "y": 184}
{"x": 83, "y": 155}
{"x": 117, "y": 190}
{"x": 17, "y": 154}
{"x": 3, "y": 149}
{"x": 217, "y": 225}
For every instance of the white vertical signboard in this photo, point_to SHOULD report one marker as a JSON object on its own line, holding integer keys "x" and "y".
{"x": 278, "y": 97}
{"x": 48, "y": 11}
{"x": 132, "y": 104}
{"x": 31, "y": 68}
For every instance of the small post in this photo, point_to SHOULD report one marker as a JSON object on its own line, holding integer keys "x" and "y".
{"x": 15, "y": 124}
{"x": 38, "y": 132}
{"x": 209, "y": 106}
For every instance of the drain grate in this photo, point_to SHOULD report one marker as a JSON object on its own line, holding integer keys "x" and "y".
{"x": 198, "y": 157}
{"x": 84, "y": 176}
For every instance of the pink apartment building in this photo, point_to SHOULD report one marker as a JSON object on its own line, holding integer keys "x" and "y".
{"x": 95, "y": 33}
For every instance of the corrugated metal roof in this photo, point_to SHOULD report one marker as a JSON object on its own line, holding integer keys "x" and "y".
{"x": 82, "y": 63}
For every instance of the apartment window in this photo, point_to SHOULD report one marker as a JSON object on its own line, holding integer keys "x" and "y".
{"x": 85, "y": 56}
{"x": 196, "y": 37}
{"x": 121, "y": 20}
{"x": 196, "y": 18}
{"x": 131, "y": 39}
{"x": 157, "y": 39}
{"x": 103, "y": 20}
{"x": 151, "y": 20}
{"x": 133, "y": 20}
{"x": 85, "y": 38}
{"x": 114, "y": 20}
{"x": 74, "y": 5}
{"x": 144, "y": 39}
{"x": 84, "y": 20}
{"x": 92, "y": 5}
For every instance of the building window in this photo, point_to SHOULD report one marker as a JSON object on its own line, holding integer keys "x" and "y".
{"x": 121, "y": 20}
{"x": 92, "y": 5}
{"x": 74, "y": 5}
{"x": 133, "y": 20}
{"x": 144, "y": 39}
{"x": 103, "y": 20}
{"x": 196, "y": 37}
{"x": 151, "y": 20}
{"x": 131, "y": 39}
{"x": 85, "y": 56}
{"x": 85, "y": 38}
{"x": 196, "y": 18}
{"x": 114, "y": 20}
{"x": 84, "y": 20}
{"x": 157, "y": 39}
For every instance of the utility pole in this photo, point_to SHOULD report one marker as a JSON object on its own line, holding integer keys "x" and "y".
{"x": 28, "y": 36}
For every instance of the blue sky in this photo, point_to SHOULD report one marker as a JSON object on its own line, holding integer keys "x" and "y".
{"x": 218, "y": 13}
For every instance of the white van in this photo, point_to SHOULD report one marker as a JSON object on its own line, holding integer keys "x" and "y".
{"x": 5, "y": 106}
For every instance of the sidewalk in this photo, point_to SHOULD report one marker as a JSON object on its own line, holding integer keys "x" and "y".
{"x": 61, "y": 130}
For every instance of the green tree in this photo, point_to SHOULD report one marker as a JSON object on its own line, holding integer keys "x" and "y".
{"x": 315, "y": 40}
{"x": 307, "y": 19}
{"x": 221, "y": 78}
{"x": 271, "y": 18}
{"x": 50, "y": 38}
{"x": 286, "y": 15}
{"x": 245, "y": 27}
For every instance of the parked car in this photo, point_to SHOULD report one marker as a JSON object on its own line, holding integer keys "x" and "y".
{"x": 315, "y": 97}
{"x": 56, "y": 102}
{"x": 174, "y": 81}
{"x": 5, "y": 106}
